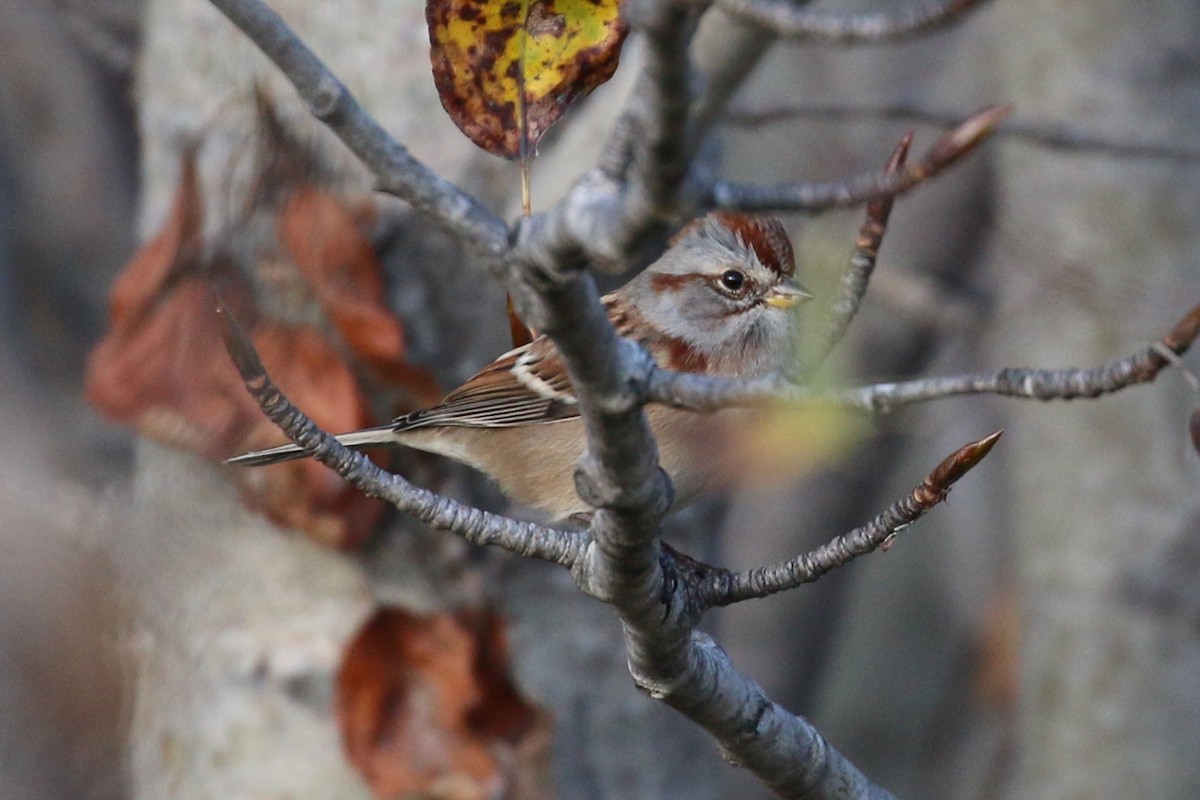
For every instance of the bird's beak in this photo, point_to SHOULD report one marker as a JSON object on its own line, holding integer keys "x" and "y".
{"x": 786, "y": 294}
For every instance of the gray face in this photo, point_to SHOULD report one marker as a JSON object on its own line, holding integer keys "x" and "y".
{"x": 714, "y": 291}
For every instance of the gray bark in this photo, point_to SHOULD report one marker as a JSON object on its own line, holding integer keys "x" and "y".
{"x": 1026, "y": 256}
{"x": 1093, "y": 252}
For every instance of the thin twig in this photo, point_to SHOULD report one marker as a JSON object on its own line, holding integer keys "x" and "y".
{"x": 816, "y": 197}
{"x": 723, "y": 588}
{"x": 857, "y": 275}
{"x": 787, "y": 20}
{"x": 476, "y": 526}
{"x": 701, "y": 393}
{"x": 726, "y": 51}
{"x": 1054, "y": 136}
{"x": 1171, "y": 356}
{"x": 397, "y": 171}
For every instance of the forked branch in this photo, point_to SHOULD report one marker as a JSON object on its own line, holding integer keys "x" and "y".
{"x": 857, "y": 275}
{"x": 474, "y": 525}
{"x": 396, "y": 170}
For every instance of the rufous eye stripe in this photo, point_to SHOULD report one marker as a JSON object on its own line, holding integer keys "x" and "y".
{"x": 672, "y": 282}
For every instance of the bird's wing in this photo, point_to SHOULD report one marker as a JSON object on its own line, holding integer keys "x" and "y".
{"x": 524, "y": 386}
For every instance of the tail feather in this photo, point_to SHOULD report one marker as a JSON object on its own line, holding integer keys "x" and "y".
{"x": 383, "y": 436}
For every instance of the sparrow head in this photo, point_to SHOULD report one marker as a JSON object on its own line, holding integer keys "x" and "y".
{"x": 726, "y": 290}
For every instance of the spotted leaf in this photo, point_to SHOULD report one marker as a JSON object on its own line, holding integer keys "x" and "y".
{"x": 506, "y": 70}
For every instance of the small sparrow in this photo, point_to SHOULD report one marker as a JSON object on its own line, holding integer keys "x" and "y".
{"x": 718, "y": 302}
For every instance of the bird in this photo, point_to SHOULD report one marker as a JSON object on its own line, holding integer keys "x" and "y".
{"x": 719, "y": 301}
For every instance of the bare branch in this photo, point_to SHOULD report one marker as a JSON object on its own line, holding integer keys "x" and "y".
{"x": 785, "y": 751}
{"x": 857, "y": 275}
{"x": 1034, "y": 384}
{"x": 395, "y": 168}
{"x": 702, "y": 393}
{"x": 816, "y": 197}
{"x": 619, "y": 475}
{"x": 723, "y": 588}
{"x": 1054, "y": 136}
{"x": 611, "y": 210}
{"x": 657, "y": 114}
{"x": 724, "y": 54}
{"x": 476, "y": 526}
{"x": 786, "y": 19}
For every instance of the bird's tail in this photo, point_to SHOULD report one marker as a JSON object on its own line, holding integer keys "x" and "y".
{"x": 383, "y": 436}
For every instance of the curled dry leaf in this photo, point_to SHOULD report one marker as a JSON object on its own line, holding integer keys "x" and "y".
{"x": 426, "y": 708}
{"x": 155, "y": 367}
{"x": 324, "y": 238}
{"x": 312, "y": 298}
{"x": 506, "y": 70}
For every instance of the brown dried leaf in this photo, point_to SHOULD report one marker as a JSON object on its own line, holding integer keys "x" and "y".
{"x": 323, "y": 237}
{"x": 322, "y": 329}
{"x": 157, "y": 368}
{"x": 425, "y": 706}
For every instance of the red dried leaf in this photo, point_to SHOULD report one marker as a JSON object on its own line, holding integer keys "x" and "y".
{"x": 324, "y": 327}
{"x": 175, "y": 246}
{"x": 425, "y": 704}
{"x": 323, "y": 236}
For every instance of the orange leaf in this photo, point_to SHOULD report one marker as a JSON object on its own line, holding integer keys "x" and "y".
{"x": 425, "y": 703}
{"x": 506, "y": 70}
{"x": 321, "y": 329}
{"x": 323, "y": 237}
{"x": 176, "y": 245}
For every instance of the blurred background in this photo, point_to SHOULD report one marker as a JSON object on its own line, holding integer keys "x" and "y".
{"x": 1039, "y": 636}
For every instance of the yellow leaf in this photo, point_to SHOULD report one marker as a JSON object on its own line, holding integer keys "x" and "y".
{"x": 506, "y": 70}
{"x": 787, "y": 442}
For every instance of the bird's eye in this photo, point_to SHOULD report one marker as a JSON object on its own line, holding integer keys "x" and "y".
{"x": 733, "y": 281}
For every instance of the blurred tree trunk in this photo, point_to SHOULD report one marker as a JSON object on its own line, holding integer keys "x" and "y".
{"x": 1037, "y": 637}
{"x": 194, "y": 702}
{"x": 1096, "y": 254}
{"x": 240, "y": 626}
